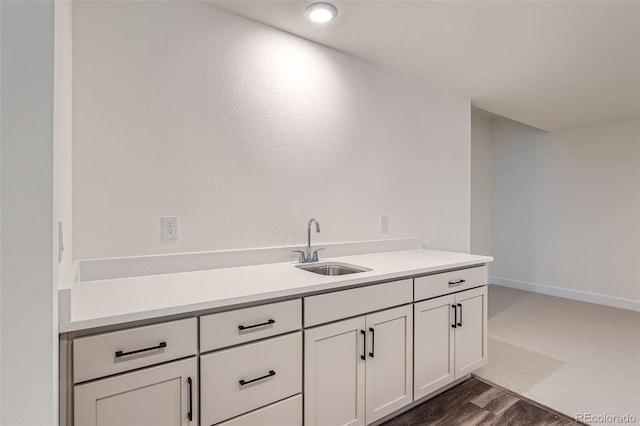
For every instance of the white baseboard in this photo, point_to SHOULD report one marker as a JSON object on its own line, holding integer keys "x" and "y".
{"x": 583, "y": 296}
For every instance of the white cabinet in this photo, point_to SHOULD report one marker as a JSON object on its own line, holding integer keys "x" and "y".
{"x": 335, "y": 357}
{"x": 434, "y": 340}
{"x": 436, "y": 285}
{"x": 158, "y": 396}
{"x": 337, "y": 305}
{"x": 287, "y": 412}
{"x": 124, "y": 350}
{"x": 389, "y": 368}
{"x": 245, "y": 325}
{"x": 249, "y": 380}
{"x": 358, "y": 370}
{"x": 243, "y": 378}
{"x": 393, "y": 348}
{"x": 450, "y": 339}
{"x": 470, "y": 331}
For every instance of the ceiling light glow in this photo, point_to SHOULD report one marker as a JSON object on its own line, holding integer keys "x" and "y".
{"x": 321, "y": 13}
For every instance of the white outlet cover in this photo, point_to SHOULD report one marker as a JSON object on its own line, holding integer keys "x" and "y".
{"x": 169, "y": 228}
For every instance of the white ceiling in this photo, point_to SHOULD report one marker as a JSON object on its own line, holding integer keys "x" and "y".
{"x": 549, "y": 64}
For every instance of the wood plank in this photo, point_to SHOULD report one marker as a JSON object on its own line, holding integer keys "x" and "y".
{"x": 495, "y": 401}
{"x": 439, "y": 406}
{"x": 467, "y": 414}
{"x": 474, "y": 402}
{"x": 523, "y": 413}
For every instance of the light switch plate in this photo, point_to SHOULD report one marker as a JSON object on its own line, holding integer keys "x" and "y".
{"x": 384, "y": 224}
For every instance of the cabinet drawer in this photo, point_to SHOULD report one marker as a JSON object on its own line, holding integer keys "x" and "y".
{"x": 283, "y": 413}
{"x": 244, "y": 325}
{"x": 237, "y": 380}
{"x": 118, "y": 351}
{"x": 449, "y": 282}
{"x": 348, "y": 303}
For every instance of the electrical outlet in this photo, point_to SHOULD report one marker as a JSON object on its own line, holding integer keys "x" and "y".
{"x": 384, "y": 224}
{"x": 169, "y": 227}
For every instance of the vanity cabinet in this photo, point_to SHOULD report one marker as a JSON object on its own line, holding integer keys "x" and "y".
{"x": 351, "y": 357}
{"x": 450, "y": 339}
{"x": 358, "y": 370}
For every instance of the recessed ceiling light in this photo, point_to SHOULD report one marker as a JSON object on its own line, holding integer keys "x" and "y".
{"x": 321, "y": 13}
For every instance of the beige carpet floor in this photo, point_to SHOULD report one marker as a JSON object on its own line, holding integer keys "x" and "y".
{"x": 573, "y": 357}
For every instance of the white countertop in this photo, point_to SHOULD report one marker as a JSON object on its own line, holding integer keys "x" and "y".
{"x": 116, "y": 301}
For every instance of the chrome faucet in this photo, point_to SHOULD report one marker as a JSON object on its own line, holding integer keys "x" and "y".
{"x": 309, "y": 256}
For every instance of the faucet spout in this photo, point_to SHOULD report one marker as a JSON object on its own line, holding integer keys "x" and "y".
{"x": 311, "y": 221}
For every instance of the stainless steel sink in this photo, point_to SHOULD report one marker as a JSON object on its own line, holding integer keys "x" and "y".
{"x": 331, "y": 269}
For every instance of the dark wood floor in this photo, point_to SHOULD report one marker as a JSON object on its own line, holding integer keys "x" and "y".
{"x": 474, "y": 402}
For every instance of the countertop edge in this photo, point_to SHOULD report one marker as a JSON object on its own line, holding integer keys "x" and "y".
{"x": 294, "y": 292}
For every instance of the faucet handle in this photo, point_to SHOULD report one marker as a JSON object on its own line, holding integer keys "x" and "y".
{"x": 301, "y": 258}
{"x": 315, "y": 254}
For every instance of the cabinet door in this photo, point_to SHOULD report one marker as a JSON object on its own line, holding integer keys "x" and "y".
{"x": 389, "y": 368}
{"x": 471, "y": 330}
{"x": 434, "y": 345}
{"x": 157, "y": 396}
{"x": 334, "y": 374}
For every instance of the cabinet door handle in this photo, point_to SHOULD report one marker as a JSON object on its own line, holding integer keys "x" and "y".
{"x": 160, "y": 346}
{"x": 460, "y": 322}
{"x": 455, "y": 316}
{"x": 364, "y": 345}
{"x": 243, "y": 382}
{"x": 373, "y": 341}
{"x": 455, "y": 283}
{"x": 262, "y": 324}
{"x": 190, "y": 413}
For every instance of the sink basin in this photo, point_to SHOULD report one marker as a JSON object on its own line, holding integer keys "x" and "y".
{"x": 332, "y": 269}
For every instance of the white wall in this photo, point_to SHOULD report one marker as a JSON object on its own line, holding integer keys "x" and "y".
{"x": 566, "y": 208}
{"x": 480, "y": 182}
{"x": 62, "y": 133}
{"x": 245, "y": 132}
{"x": 28, "y": 323}
{"x": 1, "y": 258}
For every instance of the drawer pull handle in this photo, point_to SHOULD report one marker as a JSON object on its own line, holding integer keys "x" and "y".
{"x": 455, "y": 316}
{"x": 243, "y": 382}
{"x": 190, "y": 413}
{"x": 262, "y": 324}
{"x": 455, "y": 283}
{"x": 160, "y": 346}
